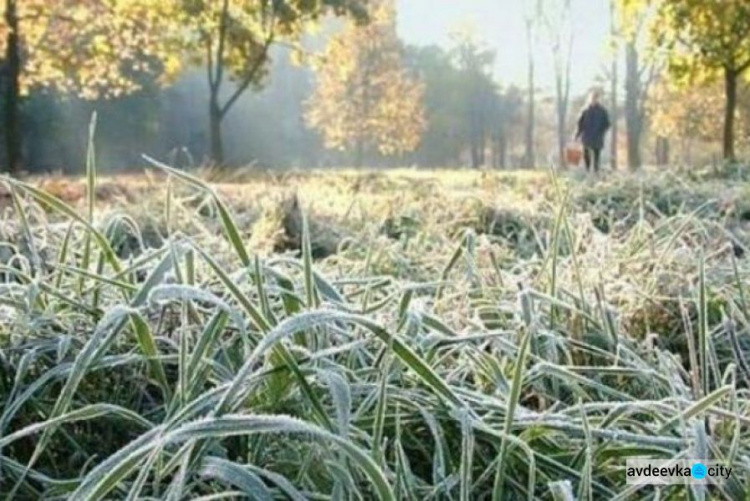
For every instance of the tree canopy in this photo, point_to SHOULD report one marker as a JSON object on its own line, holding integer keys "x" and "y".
{"x": 232, "y": 38}
{"x": 707, "y": 40}
{"x": 366, "y": 100}
{"x": 94, "y": 48}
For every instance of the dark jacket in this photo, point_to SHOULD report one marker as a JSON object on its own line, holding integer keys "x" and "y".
{"x": 592, "y": 125}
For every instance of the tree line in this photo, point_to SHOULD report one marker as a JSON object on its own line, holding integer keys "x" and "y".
{"x": 194, "y": 75}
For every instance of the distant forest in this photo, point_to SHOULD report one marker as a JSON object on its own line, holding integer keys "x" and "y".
{"x": 267, "y": 126}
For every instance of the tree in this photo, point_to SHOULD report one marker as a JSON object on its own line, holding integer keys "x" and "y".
{"x": 505, "y": 113}
{"x": 11, "y": 81}
{"x": 474, "y": 62}
{"x": 530, "y": 18}
{"x": 743, "y": 100}
{"x": 641, "y": 67}
{"x": 366, "y": 101}
{"x": 687, "y": 115}
{"x": 464, "y": 108}
{"x": 709, "y": 42}
{"x": 232, "y": 38}
{"x": 445, "y": 137}
{"x": 614, "y": 82}
{"x": 449, "y": 101}
{"x": 96, "y": 48}
{"x": 557, "y": 18}
{"x": 635, "y": 109}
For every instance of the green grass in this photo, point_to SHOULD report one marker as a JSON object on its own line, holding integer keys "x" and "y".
{"x": 466, "y": 335}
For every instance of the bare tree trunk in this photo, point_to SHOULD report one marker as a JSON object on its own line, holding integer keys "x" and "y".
{"x": 482, "y": 140}
{"x": 614, "y": 120}
{"x": 613, "y": 90}
{"x": 495, "y": 154}
{"x": 662, "y": 151}
{"x": 13, "y": 133}
{"x": 562, "y": 94}
{"x": 633, "y": 115}
{"x": 503, "y": 151}
{"x": 215, "y": 70}
{"x": 215, "y": 118}
{"x": 476, "y": 134}
{"x": 561, "y": 116}
{"x": 562, "y": 54}
{"x": 730, "y": 90}
{"x": 476, "y": 160}
{"x": 359, "y": 153}
{"x": 529, "y": 159}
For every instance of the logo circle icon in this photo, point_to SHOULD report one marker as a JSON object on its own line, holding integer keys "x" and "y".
{"x": 699, "y": 471}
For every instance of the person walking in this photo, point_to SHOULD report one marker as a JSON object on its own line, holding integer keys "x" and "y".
{"x": 592, "y": 126}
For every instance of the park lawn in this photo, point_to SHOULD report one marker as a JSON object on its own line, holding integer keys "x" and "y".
{"x": 445, "y": 334}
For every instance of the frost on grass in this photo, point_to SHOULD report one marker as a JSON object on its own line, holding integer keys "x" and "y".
{"x": 433, "y": 323}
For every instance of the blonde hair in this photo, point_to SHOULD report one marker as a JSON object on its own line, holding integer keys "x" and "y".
{"x": 595, "y": 95}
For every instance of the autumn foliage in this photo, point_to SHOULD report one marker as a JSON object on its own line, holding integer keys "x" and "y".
{"x": 366, "y": 101}
{"x": 707, "y": 42}
{"x": 93, "y": 48}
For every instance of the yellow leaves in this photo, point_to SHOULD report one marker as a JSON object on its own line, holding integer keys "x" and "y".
{"x": 172, "y": 67}
{"x": 694, "y": 112}
{"x": 78, "y": 15}
{"x": 635, "y": 17}
{"x": 704, "y": 35}
{"x": 94, "y": 48}
{"x": 105, "y": 47}
{"x": 100, "y": 44}
{"x": 364, "y": 95}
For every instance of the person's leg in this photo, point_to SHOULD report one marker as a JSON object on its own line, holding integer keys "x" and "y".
{"x": 597, "y": 158}
{"x": 587, "y": 157}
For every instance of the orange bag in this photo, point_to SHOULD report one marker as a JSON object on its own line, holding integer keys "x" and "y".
{"x": 573, "y": 154}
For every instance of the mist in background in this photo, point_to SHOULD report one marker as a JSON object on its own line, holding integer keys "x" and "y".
{"x": 464, "y": 105}
{"x": 266, "y": 127}
{"x": 500, "y": 25}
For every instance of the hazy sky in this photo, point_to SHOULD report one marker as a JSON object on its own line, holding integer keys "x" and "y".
{"x": 500, "y": 24}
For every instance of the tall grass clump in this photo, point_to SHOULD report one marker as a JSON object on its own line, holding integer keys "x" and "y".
{"x": 405, "y": 366}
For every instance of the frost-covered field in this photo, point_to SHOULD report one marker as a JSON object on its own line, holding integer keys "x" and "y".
{"x": 377, "y": 334}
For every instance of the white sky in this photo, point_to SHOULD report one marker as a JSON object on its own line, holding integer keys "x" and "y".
{"x": 500, "y": 24}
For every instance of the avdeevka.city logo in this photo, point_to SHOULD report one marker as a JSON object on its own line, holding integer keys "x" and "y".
{"x": 675, "y": 471}
{"x": 699, "y": 471}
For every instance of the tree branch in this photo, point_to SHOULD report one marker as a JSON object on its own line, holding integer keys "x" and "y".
{"x": 249, "y": 77}
{"x": 222, "y": 41}
{"x": 258, "y": 63}
{"x": 653, "y": 70}
{"x": 210, "y": 64}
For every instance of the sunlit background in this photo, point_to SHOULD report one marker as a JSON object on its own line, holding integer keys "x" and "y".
{"x": 345, "y": 250}
{"x": 500, "y": 24}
